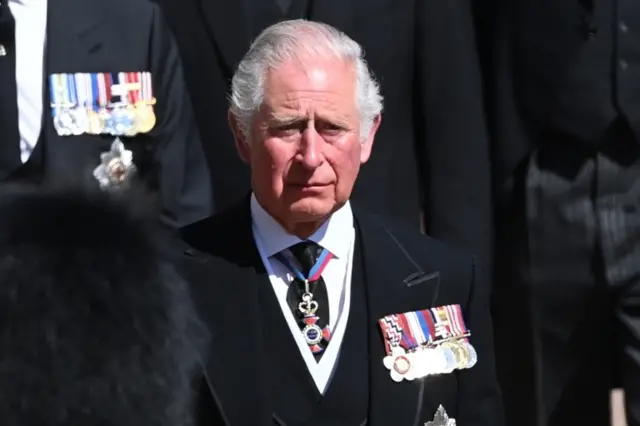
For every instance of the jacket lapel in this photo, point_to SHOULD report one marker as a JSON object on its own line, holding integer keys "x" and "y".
{"x": 395, "y": 284}
{"x": 226, "y": 297}
{"x": 74, "y": 40}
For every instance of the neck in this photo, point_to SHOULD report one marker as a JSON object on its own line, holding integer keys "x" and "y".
{"x": 303, "y": 230}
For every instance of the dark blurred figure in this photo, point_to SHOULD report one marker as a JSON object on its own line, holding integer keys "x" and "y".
{"x": 430, "y": 167}
{"x": 94, "y": 328}
{"x": 564, "y": 89}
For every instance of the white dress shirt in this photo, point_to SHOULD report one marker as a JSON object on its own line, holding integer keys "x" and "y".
{"x": 337, "y": 236}
{"x": 31, "y": 30}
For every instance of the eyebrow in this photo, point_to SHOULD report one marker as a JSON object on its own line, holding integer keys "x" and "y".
{"x": 285, "y": 119}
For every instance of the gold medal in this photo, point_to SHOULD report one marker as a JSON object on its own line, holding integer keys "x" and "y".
{"x": 95, "y": 123}
{"x": 133, "y": 129}
{"x": 145, "y": 118}
{"x": 460, "y": 353}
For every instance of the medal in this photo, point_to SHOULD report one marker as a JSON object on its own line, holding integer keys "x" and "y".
{"x": 145, "y": 116}
{"x": 95, "y": 124}
{"x": 60, "y": 105}
{"x": 400, "y": 365}
{"x": 116, "y": 167}
{"x": 315, "y": 336}
{"x": 441, "y": 419}
{"x": 76, "y": 95}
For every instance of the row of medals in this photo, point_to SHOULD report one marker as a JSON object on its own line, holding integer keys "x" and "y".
{"x": 119, "y": 120}
{"x": 444, "y": 358}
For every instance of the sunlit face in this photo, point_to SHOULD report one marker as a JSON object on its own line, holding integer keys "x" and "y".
{"x": 305, "y": 149}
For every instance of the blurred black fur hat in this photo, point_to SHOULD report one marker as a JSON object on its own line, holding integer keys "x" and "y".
{"x": 95, "y": 328}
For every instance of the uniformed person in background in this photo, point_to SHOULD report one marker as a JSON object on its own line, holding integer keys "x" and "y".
{"x": 84, "y": 82}
{"x": 564, "y": 90}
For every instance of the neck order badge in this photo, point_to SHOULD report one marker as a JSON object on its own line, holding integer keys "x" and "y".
{"x": 316, "y": 337}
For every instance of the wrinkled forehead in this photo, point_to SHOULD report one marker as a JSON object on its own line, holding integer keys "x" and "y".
{"x": 325, "y": 83}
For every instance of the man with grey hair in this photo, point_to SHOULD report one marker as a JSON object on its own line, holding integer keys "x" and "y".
{"x": 431, "y": 165}
{"x": 321, "y": 313}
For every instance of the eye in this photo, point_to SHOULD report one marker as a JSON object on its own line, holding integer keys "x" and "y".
{"x": 288, "y": 129}
{"x": 329, "y": 129}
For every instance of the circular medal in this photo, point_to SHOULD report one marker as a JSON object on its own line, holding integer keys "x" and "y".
{"x": 145, "y": 118}
{"x": 132, "y": 130}
{"x": 473, "y": 355}
{"x": 312, "y": 334}
{"x": 116, "y": 171}
{"x": 95, "y": 123}
{"x": 63, "y": 123}
{"x": 450, "y": 358}
{"x": 80, "y": 121}
{"x": 442, "y": 364}
{"x": 401, "y": 364}
{"x": 122, "y": 122}
{"x": 107, "y": 121}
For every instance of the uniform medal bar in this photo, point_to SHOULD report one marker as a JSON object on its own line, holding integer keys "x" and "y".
{"x": 145, "y": 115}
{"x": 103, "y": 99}
{"x": 79, "y": 96}
{"x": 316, "y": 337}
{"x": 133, "y": 95}
{"x": 426, "y": 342}
{"x": 126, "y": 90}
{"x": 63, "y": 121}
{"x": 55, "y": 102}
{"x": 95, "y": 124}
{"x": 122, "y": 119}
{"x": 463, "y": 333}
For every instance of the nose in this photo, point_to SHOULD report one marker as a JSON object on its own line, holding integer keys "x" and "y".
{"x": 310, "y": 154}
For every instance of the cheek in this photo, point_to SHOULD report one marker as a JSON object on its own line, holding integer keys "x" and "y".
{"x": 271, "y": 161}
{"x": 346, "y": 164}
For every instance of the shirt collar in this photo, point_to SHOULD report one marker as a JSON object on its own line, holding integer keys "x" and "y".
{"x": 331, "y": 235}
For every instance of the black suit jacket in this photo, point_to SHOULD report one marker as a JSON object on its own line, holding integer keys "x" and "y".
{"x": 119, "y": 36}
{"x": 431, "y": 151}
{"x": 404, "y": 271}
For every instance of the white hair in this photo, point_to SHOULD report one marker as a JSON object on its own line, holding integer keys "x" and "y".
{"x": 294, "y": 40}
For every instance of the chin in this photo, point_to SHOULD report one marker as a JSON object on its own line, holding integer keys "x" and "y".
{"x": 311, "y": 208}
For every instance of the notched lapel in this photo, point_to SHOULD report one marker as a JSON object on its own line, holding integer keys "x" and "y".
{"x": 74, "y": 32}
{"x": 432, "y": 278}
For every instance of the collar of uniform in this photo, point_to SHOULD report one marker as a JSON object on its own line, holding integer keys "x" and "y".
{"x": 331, "y": 235}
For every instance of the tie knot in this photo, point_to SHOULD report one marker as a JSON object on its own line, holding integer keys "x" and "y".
{"x": 306, "y": 253}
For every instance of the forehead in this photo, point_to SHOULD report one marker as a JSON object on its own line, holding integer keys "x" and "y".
{"x": 317, "y": 83}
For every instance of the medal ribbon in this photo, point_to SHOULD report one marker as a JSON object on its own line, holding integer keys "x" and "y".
{"x": 409, "y": 338}
{"x": 55, "y": 90}
{"x": 101, "y": 90}
{"x": 71, "y": 91}
{"x": 316, "y": 271}
{"x": 442, "y": 323}
{"x": 136, "y": 87}
{"x": 81, "y": 90}
{"x": 147, "y": 89}
{"x": 391, "y": 331}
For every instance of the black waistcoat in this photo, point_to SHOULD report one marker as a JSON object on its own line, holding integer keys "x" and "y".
{"x": 294, "y": 396}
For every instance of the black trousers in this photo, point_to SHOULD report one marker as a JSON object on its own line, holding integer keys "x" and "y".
{"x": 567, "y": 297}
